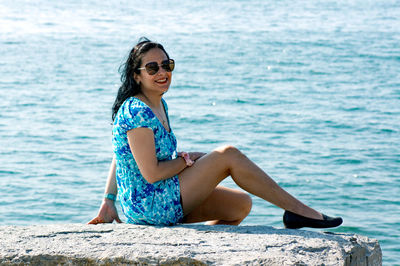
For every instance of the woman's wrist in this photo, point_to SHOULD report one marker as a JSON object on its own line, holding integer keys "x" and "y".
{"x": 185, "y": 156}
{"x": 110, "y": 196}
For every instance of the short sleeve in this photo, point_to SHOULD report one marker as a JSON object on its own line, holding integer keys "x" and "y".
{"x": 135, "y": 115}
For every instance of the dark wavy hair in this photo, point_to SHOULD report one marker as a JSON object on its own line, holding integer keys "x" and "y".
{"x": 129, "y": 87}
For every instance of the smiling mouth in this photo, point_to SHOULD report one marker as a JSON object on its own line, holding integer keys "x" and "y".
{"x": 162, "y": 81}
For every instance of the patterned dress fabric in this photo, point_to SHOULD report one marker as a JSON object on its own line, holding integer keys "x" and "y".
{"x": 142, "y": 202}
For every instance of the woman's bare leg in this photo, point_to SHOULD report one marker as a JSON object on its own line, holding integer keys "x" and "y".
{"x": 223, "y": 206}
{"x": 199, "y": 181}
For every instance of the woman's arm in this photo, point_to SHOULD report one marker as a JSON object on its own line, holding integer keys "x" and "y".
{"x": 108, "y": 212}
{"x": 111, "y": 185}
{"x": 141, "y": 141}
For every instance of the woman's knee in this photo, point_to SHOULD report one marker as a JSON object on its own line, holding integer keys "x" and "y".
{"x": 229, "y": 151}
{"x": 228, "y": 156}
{"x": 246, "y": 204}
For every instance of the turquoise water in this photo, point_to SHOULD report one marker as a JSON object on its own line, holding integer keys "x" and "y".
{"x": 310, "y": 91}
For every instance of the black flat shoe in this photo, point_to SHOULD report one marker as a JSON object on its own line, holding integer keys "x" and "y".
{"x": 295, "y": 221}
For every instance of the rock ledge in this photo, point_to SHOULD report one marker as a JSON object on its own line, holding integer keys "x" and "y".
{"x": 124, "y": 244}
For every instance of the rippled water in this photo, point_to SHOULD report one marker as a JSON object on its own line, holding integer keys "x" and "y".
{"x": 308, "y": 90}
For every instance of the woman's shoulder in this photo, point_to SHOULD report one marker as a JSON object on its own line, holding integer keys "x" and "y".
{"x": 134, "y": 113}
{"x": 134, "y": 103}
{"x": 135, "y": 107}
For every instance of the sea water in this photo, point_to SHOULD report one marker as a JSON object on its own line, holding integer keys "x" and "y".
{"x": 309, "y": 90}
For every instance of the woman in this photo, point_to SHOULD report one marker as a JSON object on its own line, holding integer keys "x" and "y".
{"x": 158, "y": 186}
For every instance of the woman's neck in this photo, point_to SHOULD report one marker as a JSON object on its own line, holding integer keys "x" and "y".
{"x": 154, "y": 101}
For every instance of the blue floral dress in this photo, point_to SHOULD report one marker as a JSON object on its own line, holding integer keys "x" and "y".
{"x": 144, "y": 203}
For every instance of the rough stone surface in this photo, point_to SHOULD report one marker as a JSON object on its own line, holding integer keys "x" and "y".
{"x": 123, "y": 244}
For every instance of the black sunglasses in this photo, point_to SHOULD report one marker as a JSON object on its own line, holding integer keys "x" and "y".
{"x": 153, "y": 67}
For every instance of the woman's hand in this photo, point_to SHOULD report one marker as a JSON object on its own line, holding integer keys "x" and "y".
{"x": 107, "y": 213}
{"x": 196, "y": 155}
{"x": 190, "y": 157}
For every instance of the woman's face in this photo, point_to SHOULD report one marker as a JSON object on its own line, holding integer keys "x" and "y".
{"x": 159, "y": 82}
